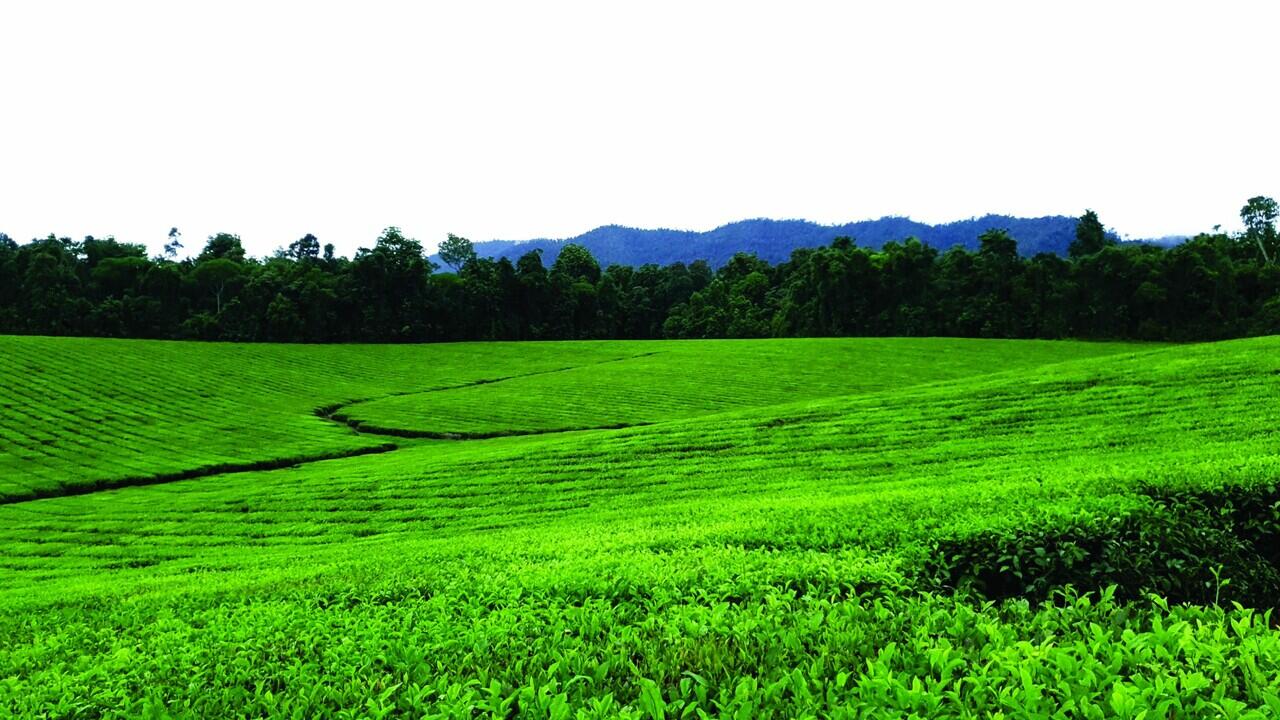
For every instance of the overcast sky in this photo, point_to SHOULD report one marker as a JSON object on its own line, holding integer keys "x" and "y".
{"x": 544, "y": 119}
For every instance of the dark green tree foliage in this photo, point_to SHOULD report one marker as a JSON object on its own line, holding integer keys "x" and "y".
{"x": 1000, "y": 286}
{"x": 223, "y": 246}
{"x": 907, "y": 299}
{"x": 214, "y": 276}
{"x": 304, "y": 249}
{"x": 1091, "y": 237}
{"x": 392, "y": 284}
{"x": 823, "y": 291}
{"x": 575, "y": 309}
{"x": 1259, "y": 216}
{"x": 456, "y": 251}
{"x": 52, "y": 297}
{"x": 10, "y": 286}
{"x": 1212, "y": 286}
{"x": 532, "y": 299}
{"x": 575, "y": 264}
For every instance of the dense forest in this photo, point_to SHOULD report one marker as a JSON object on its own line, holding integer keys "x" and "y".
{"x": 1212, "y": 286}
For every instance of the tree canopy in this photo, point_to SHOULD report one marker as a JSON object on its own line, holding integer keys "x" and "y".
{"x": 1215, "y": 285}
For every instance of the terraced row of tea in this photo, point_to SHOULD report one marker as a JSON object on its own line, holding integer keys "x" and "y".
{"x": 810, "y": 558}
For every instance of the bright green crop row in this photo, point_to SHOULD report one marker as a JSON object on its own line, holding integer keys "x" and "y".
{"x": 84, "y": 412}
{"x": 79, "y": 413}
{"x": 669, "y": 380}
{"x": 795, "y": 560}
{"x": 657, "y": 651}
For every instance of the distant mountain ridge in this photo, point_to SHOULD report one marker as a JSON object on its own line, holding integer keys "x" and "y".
{"x": 773, "y": 240}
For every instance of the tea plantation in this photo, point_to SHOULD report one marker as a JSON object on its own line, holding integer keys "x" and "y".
{"x": 803, "y": 528}
{"x": 81, "y": 413}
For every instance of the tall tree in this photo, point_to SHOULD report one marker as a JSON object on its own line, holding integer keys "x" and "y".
{"x": 392, "y": 281}
{"x": 304, "y": 249}
{"x": 223, "y": 245}
{"x": 215, "y": 275}
{"x": 172, "y": 247}
{"x": 456, "y": 251}
{"x": 1259, "y": 216}
{"x": 575, "y": 262}
{"x": 51, "y": 289}
{"x": 1091, "y": 237}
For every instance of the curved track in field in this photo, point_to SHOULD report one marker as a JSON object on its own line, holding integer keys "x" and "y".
{"x": 334, "y": 414}
{"x": 193, "y": 473}
{"x": 582, "y": 399}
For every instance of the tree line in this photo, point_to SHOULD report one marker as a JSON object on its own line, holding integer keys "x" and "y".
{"x": 1213, "y": 286}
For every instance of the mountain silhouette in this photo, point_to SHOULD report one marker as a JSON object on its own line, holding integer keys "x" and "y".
{"x": 773, "y": 240}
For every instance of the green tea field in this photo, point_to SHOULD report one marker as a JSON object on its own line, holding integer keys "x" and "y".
{"x": 846, "y": 528}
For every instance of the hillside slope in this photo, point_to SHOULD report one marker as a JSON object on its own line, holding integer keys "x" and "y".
{"x": 671, "y": 380}
{"x": 81, "y": 414}
{"x": 811, "y": 558}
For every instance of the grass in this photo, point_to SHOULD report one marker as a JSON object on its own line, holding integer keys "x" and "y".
{"x": 903, "y": 541}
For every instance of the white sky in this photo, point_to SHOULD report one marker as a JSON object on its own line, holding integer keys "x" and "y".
{"x": 541, "y": 119}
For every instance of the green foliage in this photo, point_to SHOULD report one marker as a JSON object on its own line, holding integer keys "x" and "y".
{"x": 224, "y": 246}
{"x": 214, "y": 275}
{"x": 669, "y": 380}
{"x": 304, "y": 249}
{"x": 456, "y": 251}
{"x": 903, "y": 545}
{"x": 574, "y": 263}
{"x": 1176, "y": 548}
{"x": 1211, "y": 287}
{"x": 1259, "y": 217}
{"x": 165, "y": 410}
{"x": 1091, "y": 237}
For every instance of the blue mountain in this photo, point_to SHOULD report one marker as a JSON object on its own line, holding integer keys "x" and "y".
{"x": 773, "y": 240}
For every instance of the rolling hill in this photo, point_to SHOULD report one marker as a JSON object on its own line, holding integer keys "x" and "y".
{"x": 929, "y": 528}
{"x": 84, "y": 413}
